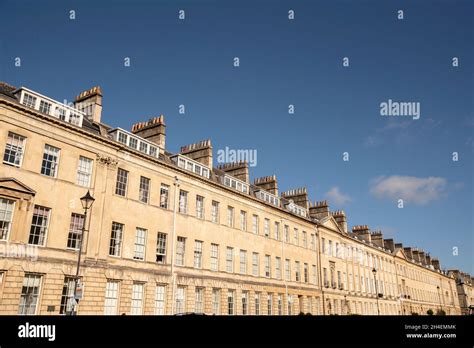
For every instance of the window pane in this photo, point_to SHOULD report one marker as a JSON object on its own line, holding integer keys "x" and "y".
{"x": 144, "y": 191}
{"x": 140, "y": 244}
{"x": 67, "y": 294}
{"x": 84, "y": 171}
{"x": 6, "y": 217}
{"x": 122, "y": 180}
{"x": 14, "y": 149}
{"x": 116, "y": 239}
{"x": 160, "y": 295}
{"x": 39, "y": 225}
{"x": 75, "y": 231}
{"x": 137, "y": 299}
{"x": 29, "y": 294}
{"x": 164, "y": 194}
{"x": 49, "y": 166}
{"x": 161, "y": 248}
{"x": 111, "y": 298}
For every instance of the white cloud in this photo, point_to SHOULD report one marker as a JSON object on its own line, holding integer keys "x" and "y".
{"x": 334, "y": 195}
{"x": 409, "y": 188}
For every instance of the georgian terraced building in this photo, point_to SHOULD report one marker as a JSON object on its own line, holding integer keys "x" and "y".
{"x": 171, "y": 233}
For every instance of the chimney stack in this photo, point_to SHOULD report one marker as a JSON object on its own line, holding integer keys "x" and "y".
{"x": 421, "y": 255}
{"x": 416, "y": 254}
{"x": 362, "y": 232}
{"x": 408, "y": 252}
{"x": 90, "y": 102}
{"x": 428, "y": 259}
{"x": 436, "y": 265}
{"x": 341, "y": 219}
{"x": 200, "y": 152}
{"x": 267, "y": 183}
{"x": 239, "y": 170}
{"x": 389, "y": 244}
{"x": 377, "y": 238}
{"x": 153, "y": 130}
{"x": 299, "y": 196}
{"x": 319, "y": 210}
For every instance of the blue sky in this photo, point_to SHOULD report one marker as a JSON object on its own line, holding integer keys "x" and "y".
{"x": 282, "y": 62}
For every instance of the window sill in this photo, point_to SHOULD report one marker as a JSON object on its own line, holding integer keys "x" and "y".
{"x": 12, "y": 164}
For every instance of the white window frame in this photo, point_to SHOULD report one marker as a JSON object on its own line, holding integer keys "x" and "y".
{"x": 121, "y": 184}
{"x": 7, "y": 209}
{"x": 112, "y": 290}
{"x": 84, "y": 171}
{"x": 164, "y": 196}
{"x": 43, "y": 227}
{"x": 255, "y": 224}
{"x": 144, "y": 190}
{"x": 214, "y": 257}
{"x": 30, "y": 281}
{"x": 243, "y": 261}
{"x": 139, "y": 252}
{"x": 183, "y": 202}
{"x": 116, "y": 239}
{"x": 53, "y": 155}
{"x": 180, "y": 304}
{"x": 268, "y": 266}
{"x": 255, "y": 265}
{"x": 180, "y": 251}
{"x": 199, "y": 207}
{"x": 215, "y": 212}
{"x": 199, "y": 300}
{"x": 243, "y": 220}
{"x": 161, "y": 241}
{"x": 160, "y": 299}
{"x": 230, "y": 216}
{"x": 198, "y": 250}
{"x": 16, "y": 145}
{"x": 137, "y": 299}
{"x": 216, "y": 301}
{"x": 229, "y": 260}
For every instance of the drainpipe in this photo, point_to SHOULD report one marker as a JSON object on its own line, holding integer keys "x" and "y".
{"x": 173, "y": 238}
{"x": 283, "y": 269}
{"x": 320, "y": 271}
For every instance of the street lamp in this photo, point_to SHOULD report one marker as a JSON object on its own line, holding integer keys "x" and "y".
{"x": 374, "y": 271}
{"x": 87, "y": 200}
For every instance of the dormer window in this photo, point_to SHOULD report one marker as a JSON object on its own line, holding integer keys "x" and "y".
{"x": 296, "y": 209}
{"x": 50, "y": 107}
{"x": 191, "y": 165}
{"x": 143, "y": 147}
{"x": 268, "y": 197}
{"x": 75, "y": 119}
{"x": 122, "y": 138}
{"x": 29, "y": 100}
{"x": 234, "y": 183}
{"x": 60, "y": 113}
{"x": 134, "y": 142}
{"x": 45, "y": 107}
